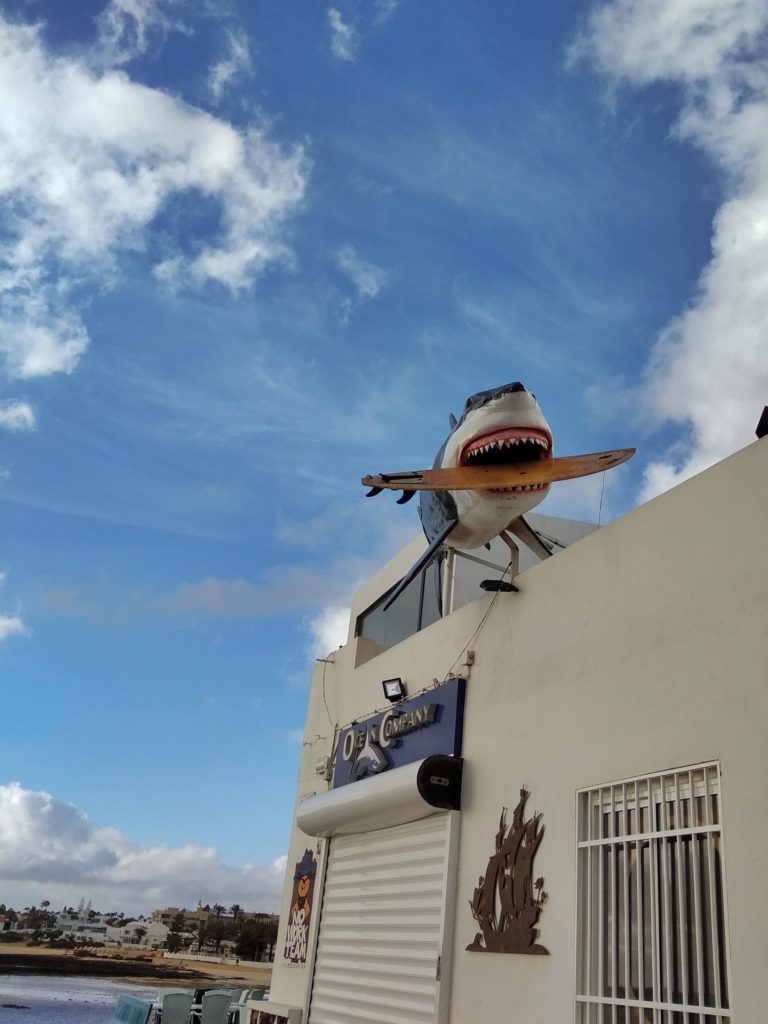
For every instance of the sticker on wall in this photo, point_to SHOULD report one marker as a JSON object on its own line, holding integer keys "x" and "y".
{"x": 303, "y": 894}
{"x": 507, "y": 901}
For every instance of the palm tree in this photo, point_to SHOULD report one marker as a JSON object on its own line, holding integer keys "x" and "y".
{"x": 202, "y": 932}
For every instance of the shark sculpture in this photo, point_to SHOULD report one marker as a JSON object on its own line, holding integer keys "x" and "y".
{"x": 496, "y": 464}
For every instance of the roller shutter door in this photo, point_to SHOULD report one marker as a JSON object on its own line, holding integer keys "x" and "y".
{"x": 382, "y": 925}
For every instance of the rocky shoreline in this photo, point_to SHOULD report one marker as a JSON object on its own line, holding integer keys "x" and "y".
{"x": 98, "y": 967}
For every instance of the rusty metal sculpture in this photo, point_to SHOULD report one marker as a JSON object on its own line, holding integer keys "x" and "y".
{"x": 507, "y": 902}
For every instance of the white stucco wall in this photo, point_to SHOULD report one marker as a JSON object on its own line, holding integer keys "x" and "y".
{"x": 641, "y": 648}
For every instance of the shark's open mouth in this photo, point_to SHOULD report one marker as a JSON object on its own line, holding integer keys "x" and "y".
{"x": 508, "y": 447}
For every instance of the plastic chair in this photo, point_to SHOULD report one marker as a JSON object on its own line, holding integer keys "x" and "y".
{"x": 131, "y": 1011}
{"x": 216, "y": 1005}
{"x": 176, "y": 1007}
{"x": 238, "y": 1011}
{"x": 237, "y": 1006}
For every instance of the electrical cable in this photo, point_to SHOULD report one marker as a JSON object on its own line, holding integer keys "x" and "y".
{"x": 488, "y": 611}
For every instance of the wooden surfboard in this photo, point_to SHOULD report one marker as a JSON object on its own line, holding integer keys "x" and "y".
{"x": 517, "y": 474}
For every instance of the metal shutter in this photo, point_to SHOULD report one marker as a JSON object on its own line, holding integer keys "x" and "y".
{"x": 384, "y": 914}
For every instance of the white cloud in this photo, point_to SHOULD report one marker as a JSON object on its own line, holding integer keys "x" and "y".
{"x": 328, "y": 630}
{"x": 232, "y": 67}
{"x": 690, "y": 41}
{"x": 346, "y": 32}
{"x": 385, "y": 8}
{"x": 591, "y": 499}
{"x": 344, "y": 38}
{"x": 708, "y": 371}
{"x": 128, "y": 27}
{"x": 88, "y": 160}
{"x": 16, "y": 416}
{"x": 286, "y": 589}
{"x": 367, "y": 278}
{"x": 52, "y": 848}
{"x": 11, "y": 625}
{"x": 294, "y": 737}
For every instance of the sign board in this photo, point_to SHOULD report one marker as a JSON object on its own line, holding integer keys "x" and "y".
{"x": 302, "y": 898}
{"x": 430, "y": 723}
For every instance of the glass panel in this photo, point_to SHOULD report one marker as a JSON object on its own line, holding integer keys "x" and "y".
{"x": 429, "y": 610}
{"x": 384, "y": 629}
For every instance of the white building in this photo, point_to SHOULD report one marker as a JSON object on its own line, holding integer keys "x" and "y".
{"x": 148, "y": 934}
{"x": 624, "y": 687}
{"x": 83, "y": 926}
{"x": 88, "y": 927}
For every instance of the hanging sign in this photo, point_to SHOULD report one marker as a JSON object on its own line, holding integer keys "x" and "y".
{"x": 408, "y": 731}
{"x": 302, "y": 897}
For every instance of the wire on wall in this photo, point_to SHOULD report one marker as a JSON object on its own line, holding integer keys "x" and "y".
{"x": 488, "y": 610}
{"x": 600, "y": 509}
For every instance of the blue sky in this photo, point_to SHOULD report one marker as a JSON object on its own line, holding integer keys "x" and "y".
{"x": 252, "y": 251}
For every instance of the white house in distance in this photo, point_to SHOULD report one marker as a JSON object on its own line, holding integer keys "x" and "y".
{"x": 564, "y": 818}
{"x": 85, "y": 926}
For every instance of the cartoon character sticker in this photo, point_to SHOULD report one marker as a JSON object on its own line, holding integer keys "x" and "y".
{"x": 297, "y": 936}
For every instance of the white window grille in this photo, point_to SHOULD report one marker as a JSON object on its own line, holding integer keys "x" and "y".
{"x": 651, "y": 933}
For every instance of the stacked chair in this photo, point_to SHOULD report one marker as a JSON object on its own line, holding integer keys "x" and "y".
{"x": 176, "y": 1007}
{"x": 131, "y": 1011}
{"x": 238, "y": 1011}
{"x": 215, "y": 1006}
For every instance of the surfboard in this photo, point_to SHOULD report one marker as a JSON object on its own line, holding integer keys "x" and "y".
{"x": 516, "y": 474}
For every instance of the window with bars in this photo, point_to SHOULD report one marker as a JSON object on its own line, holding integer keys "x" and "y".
{"x": 651, "y": 928}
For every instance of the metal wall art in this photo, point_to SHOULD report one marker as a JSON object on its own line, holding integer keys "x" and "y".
{"x": 507, "y": 902}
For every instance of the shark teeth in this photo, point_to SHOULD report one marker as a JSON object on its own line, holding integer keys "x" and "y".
{"x": 519, "y": 490}
{"x": 512, "y": 445}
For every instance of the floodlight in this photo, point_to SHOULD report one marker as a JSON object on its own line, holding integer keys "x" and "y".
{"x": 394, "y": 689}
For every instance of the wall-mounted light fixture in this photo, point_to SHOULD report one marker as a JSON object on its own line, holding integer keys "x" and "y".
{"x": 394, "y": 689}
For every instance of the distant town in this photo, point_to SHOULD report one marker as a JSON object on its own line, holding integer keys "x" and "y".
{"x": 209, "y": 929}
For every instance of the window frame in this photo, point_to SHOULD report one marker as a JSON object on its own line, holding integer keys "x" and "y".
{"x": 640, "y": 883}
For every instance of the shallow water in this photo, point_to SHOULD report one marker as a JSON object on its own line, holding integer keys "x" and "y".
{"x": 57, "y": 1000}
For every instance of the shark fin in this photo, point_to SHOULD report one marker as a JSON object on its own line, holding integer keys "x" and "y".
{"x": 420, "y": 564}
{"x": 525, "y": 532}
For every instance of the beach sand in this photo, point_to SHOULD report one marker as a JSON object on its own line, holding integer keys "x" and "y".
{"x": 139, "y": 966}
